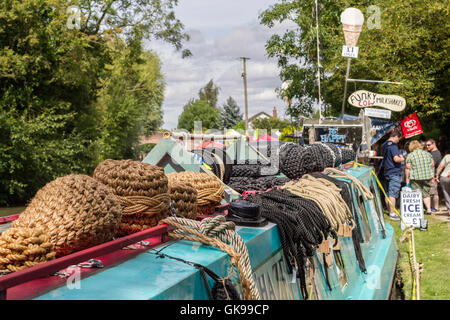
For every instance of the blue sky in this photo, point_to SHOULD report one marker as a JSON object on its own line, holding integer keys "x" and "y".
{"x": 221, "y": 32}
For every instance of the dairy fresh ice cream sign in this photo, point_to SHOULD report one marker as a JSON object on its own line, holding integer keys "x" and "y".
{"x": 363, "y": 99}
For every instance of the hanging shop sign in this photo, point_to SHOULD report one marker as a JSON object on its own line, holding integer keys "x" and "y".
{"x": 350, "y": 52}
{"x": 363, "y": 99}
{"x": 411, "y": 208}
{"x": 377, "y": 113}
{"x": 411, "y": 126}
{"x": 332, "y": 136}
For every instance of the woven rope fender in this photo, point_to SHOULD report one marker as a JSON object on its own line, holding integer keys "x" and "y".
{"x": 142, "y": 190}
{"x": 75, "y": 211}
{"x": 221, "y": 234}
{"x": 21, "y": 248}
{"x": 184, "y": 199}
{"x": 210, "y": 191}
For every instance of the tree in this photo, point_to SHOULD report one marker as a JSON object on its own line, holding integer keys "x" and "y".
{"x": 270, "y": 124}
{"x": 410, "y": 46}
{"x": 59, "y": 87}
{"x": 131, "y": 99}
{"x": 154, "y": 19}
{"x": 209, "y": 93}
{"x": 198, "y": 110}
{"x": 230, "y": 114}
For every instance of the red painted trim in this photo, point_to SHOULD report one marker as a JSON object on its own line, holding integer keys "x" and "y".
{"x": 45, "y": 269}
{"x": 8, "y": 219}
{"x": 38, "y": 287}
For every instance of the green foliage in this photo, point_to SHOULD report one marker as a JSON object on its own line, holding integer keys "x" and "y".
{"x": 411, "y": 46}
{"x": 270, "y": 124}
{"x": 240, "y": 126}
{"x": 230, "y": 114}
{"x": 209, "y": 93}
{"x": 70, "y": 97}
{"x": 198, "y": 110}
{"x": 288, "y": 131}
{"x": 130, "y": 98}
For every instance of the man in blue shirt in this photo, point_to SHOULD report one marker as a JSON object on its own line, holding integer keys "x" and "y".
{"x": 392, "y": 163}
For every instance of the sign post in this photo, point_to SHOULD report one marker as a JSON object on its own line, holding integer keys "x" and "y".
{"x": 411, "y": 208}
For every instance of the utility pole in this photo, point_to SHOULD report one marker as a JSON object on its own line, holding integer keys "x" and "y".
{"x": 244, "y": 75}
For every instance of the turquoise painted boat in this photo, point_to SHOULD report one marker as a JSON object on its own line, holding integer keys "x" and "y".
{"x": 133, "y": 269}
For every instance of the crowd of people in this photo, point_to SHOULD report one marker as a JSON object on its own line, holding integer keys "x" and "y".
{"x": 418, "y": 166}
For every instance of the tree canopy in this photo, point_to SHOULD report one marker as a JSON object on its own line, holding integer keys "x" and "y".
{"x": 409, "y": 45}
{"x": 76, "y": 85}
{"x": 230, "y": 114}
{"x": 198, "y": 110}
{"x": 209, "y": 93}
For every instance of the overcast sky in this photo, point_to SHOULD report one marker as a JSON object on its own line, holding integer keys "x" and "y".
{"x": 221, "y": 31}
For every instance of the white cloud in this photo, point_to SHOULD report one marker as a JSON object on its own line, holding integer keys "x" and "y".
{"x": 221, "y": 32}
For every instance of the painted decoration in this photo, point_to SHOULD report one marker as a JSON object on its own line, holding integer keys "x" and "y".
{"x": 363, "y": 99}
{"x": 411, "y": 126}
{"x": 333, "y": 136}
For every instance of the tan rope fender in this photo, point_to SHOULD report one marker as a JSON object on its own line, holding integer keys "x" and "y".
{"x": 222, "y": 235}
{"x": 75, "y": 211}
{"x": 142, "y": 190}
{"x": 184, "y": 199}
{"x": 21, "y": 248}
{"x": 326, "y": 195}
{"x": 210, "y": 190}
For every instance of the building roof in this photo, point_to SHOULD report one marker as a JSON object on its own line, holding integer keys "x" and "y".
{"x": 256, "y": 116}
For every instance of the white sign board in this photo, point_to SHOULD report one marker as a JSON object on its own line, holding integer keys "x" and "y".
{"x": 364, "y": 98}
{"x": 377, "y": 113}
{"x": 350, "y": 52}
{"x": 411, "y": 208}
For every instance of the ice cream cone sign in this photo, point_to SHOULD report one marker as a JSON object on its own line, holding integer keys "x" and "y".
{"x": 352, "y": 20}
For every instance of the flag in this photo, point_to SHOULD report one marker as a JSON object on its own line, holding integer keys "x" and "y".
{"x": 411, "y": 126}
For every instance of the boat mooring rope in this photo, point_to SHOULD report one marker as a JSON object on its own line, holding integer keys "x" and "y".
{"x": 301, "y": 224}
{"x": 221, "y": 234}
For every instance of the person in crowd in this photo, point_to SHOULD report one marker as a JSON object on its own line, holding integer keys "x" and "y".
{"x": 392, "y": 171}
{"x": 420, "y": 171}
{"x": 443, "y": 177}
{"x": 437, "y": 157}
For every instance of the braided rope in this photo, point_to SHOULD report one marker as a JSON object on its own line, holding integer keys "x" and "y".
{"x": 142, "y": 190}
{"x": 326, "y": 195}
{"x": 21, "y": 248}
{"x": 184, "y": 199}
{"x": 367, "y": 195}
{"x": 220, "y": 234}
{"x": 210, "y": 191}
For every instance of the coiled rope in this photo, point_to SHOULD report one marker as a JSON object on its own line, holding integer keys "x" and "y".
{"x": 221, "y": 234}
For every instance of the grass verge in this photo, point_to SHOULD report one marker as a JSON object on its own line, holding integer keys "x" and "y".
{"x": 433, "y": 250}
